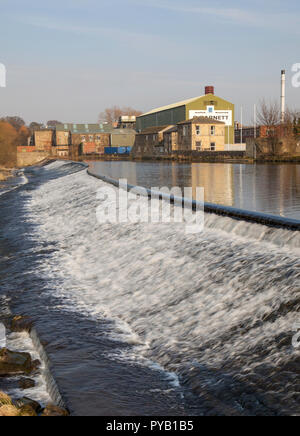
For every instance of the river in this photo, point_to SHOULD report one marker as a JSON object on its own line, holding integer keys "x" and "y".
{"x": 144, "y": 319}
{"x": 268, "y": 188}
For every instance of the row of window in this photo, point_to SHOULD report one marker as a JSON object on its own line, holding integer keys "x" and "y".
{"x": 212, "y": 130}
{"x": 91, "y": 138}
{"x": 200, "y": 148}
{"x": 198, "y": 130}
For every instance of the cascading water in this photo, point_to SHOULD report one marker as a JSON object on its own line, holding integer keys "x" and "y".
{"x": 213, "y": 311}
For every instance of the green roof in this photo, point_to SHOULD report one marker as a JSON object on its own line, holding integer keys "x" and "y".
{"x": 85, "y": 128}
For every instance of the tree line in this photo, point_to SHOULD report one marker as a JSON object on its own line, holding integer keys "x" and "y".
{"x": 269, "y": 115}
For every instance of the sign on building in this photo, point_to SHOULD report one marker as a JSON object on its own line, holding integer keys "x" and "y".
{"x": 210, "y": 112}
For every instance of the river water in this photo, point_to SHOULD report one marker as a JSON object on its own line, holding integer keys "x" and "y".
{"x": 144, "y": 319}
{"x": 268, "y": 188}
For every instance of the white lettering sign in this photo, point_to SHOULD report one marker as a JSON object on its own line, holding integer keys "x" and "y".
{"x": 210, "y": 112}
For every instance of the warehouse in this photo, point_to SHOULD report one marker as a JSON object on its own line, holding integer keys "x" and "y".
{"x": 208, "y": 105}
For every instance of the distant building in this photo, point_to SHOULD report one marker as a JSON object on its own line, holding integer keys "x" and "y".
{"x": 208, "y": 105}
{"x": 201, "y": 134}
{"x": 62, "y": 143}
{"x": 43, "y": 140}
{"x": 127, "y": 122}
{"x": 122, "y": 137}
{"x": 171, "y": 139}
{"x": 198, "y": 134}
{"x": 85, "y": 138}
{"x": 70, "y": 140}
{"x": 242, "y": 133}
{"x": 150, "y": 141}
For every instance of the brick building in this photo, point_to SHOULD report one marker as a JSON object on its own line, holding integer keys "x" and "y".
{"x": 43, "y": 140}
{"x": 127, "y": 122}
{"x": 150, "y": 141}
{"x": 198, "y": 134}
{"x": 171, "y": 139}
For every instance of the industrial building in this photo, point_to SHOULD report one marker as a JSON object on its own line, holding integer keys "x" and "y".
{"x": 195, "y": 135}
{"x": 209, "y": 105}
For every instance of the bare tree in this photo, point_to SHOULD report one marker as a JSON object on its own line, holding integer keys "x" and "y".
{"x": 14, "y": 121}
{"x": 269, "y": 114}
{"x": 112, "y": 114}
{"x": 53, "y": 123}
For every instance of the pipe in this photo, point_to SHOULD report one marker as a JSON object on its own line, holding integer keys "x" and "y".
{"x": 283, "y": 81}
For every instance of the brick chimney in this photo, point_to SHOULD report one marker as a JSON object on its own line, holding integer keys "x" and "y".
{"x": 209, "y": 90}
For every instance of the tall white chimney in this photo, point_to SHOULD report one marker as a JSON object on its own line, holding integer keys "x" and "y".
{"x": 283, "y": 80}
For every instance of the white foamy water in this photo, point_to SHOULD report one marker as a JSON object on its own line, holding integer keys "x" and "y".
{"x": 8, "y": 186}
{"x": 215, "y": 308}
{"x": 22, "y": 343}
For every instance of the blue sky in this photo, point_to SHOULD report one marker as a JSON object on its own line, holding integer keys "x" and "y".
{"x": 70, "y": 59}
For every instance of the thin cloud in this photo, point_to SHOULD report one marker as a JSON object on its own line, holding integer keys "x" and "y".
{"x": 239, "y": 16}
{"x": 108, "y": 32}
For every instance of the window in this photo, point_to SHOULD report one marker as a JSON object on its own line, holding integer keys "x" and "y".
{"x": 83, "y": 138}
{"x": 212, "y": 146}
{"x": 198, "y": 130}
{"x": 154, "y": 138}
{"x": 184, "y": 132}
{"x": 199, "y": 145}
{"x": 212, "y": 130}
{"x": 91, "y": 138}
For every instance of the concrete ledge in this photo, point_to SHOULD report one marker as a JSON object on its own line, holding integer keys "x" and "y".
{"x": 239, "y": 214}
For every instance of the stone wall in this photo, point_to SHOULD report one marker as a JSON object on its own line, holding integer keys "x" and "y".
{"x": 208, "y": 156}
{"x": 25, "y": 159}
{"x": 261, "y": 148}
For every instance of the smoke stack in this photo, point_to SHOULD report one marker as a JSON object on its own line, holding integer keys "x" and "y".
{"x": 209, "y": 90}
{"x": 283, "y": 80}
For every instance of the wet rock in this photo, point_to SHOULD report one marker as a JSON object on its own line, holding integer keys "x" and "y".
{"x": 13, "y": 363}
{"x": 28, "y": 402}
{"x": 26, "y": 383}
{"x": 5, "y": 400}
{"x": 27, "y": 411}
{"x": 55, "y": 411}
{"x": 36, "y": 364}
{"x": 21, "y": 324}
{"x": 9, "y": 411}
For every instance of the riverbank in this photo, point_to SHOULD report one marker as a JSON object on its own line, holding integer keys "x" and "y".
{"x": 6, "y": 174}
{"x": 24, "y": 377}
{"x": 192, "y": 159}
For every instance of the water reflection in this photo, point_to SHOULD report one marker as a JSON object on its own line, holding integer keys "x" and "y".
{"x": 268, "y": 188}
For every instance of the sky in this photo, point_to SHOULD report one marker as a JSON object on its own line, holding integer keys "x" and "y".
{"x": 70, "y": 59}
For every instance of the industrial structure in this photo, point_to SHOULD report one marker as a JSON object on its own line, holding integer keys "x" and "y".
{"x": 208, "y": 105}
{"x": 72, "y": 140}
{"x": 199, "y": 134}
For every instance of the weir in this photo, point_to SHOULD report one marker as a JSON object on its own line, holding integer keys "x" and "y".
{"x": 256, "y": 217}
{"x": 217, "y": 309}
